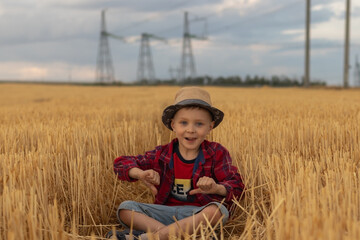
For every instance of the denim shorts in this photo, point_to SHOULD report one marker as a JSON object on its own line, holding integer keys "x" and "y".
{"x": 165, "y": 214}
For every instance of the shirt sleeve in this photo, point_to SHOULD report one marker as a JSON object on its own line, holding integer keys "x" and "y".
{"x": 227, "y": 175}
{"x": 123, "y": 164}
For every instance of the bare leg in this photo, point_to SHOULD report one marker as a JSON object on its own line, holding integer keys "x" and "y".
{"x": 140, "y": 221}
{"x": 186, "y": 225}
{"x": 211, "y": 212}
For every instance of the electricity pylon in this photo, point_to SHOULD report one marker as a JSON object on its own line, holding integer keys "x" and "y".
{"x": 357, "y": 72}
{"x": 187, "y": 68}
{"x": 104, "y": 66}
{"x": 175, "y": 73}
{"x": 307, "y": 45}
{"x": 347, "y": 45}
{"x": 145, "y": 70}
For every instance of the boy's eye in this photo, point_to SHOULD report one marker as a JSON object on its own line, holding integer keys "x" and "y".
{"x": 199, "y": 124}
{"x": 183, "y": 122}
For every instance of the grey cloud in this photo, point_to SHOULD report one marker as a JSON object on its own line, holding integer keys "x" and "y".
{"x": 68, "y": 31}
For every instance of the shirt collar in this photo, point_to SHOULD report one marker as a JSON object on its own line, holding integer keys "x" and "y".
{"x": 205, "y": 153}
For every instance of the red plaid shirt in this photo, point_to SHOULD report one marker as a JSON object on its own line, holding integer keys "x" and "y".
{"x": 215, "y": 163}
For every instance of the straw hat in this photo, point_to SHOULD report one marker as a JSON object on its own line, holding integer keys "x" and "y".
{"x": 191, "y": 96}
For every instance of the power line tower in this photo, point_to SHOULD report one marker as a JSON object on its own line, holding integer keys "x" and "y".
{"x": 145, "y": 70}
{"x": 104, "y": 65}
{"x": 347, "y": 45}
{"x": 187, "y": 68}
{"x": 307, "y": 44}
{"x": 357, "y": 72}
{"x": 175, "y": 73}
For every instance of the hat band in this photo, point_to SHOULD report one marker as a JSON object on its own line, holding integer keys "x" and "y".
{"x": 193, "y": 101}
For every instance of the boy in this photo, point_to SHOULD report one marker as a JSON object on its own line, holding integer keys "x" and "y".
{"x": 189, "y": 177}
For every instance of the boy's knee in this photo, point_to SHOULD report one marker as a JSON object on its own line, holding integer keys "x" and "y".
{"x": 125, "y": 208}
{"x": 212, "y": 212}
{"x": 124, "y": 215}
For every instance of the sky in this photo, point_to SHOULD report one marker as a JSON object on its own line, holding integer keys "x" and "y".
{"x": 58, "y": 40}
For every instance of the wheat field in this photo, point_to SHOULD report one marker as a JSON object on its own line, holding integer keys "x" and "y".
{"x": 298, "y": 151}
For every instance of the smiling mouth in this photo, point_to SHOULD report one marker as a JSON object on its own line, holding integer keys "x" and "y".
{"x": 190, "y": 139}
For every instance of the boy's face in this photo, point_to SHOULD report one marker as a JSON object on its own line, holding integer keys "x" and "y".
{"x": 191, "y": 126}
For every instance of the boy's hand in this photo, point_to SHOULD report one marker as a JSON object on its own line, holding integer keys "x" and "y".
{"x": 208, "y": 185}
{"x": 150, "y": 178}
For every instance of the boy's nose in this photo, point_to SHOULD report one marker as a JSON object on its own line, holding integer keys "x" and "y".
{"x": 190, "y": 129}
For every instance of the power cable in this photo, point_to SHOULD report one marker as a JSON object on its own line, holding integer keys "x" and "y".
{"x": 146, "y": 20}
{"x": 251, "y": 18}
{"x": 231, "y": 25}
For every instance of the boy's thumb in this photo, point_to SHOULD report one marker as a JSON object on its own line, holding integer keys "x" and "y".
{"x": 195, "y": 191}
{"x": 153, "y": 190}
{"x": 151, "y": 186}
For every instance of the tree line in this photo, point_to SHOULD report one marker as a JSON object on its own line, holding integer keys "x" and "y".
{"x": 248, "y": 81}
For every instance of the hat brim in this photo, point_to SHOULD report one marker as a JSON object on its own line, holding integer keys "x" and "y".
{"x": 169, "y": 112}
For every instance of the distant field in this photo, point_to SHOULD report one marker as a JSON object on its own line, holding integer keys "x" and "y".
{"x": 298, "y": 152}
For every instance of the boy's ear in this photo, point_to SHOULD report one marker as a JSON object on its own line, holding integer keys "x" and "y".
{"x": 212, "y": 125}
{"x": 172, "y": 124}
